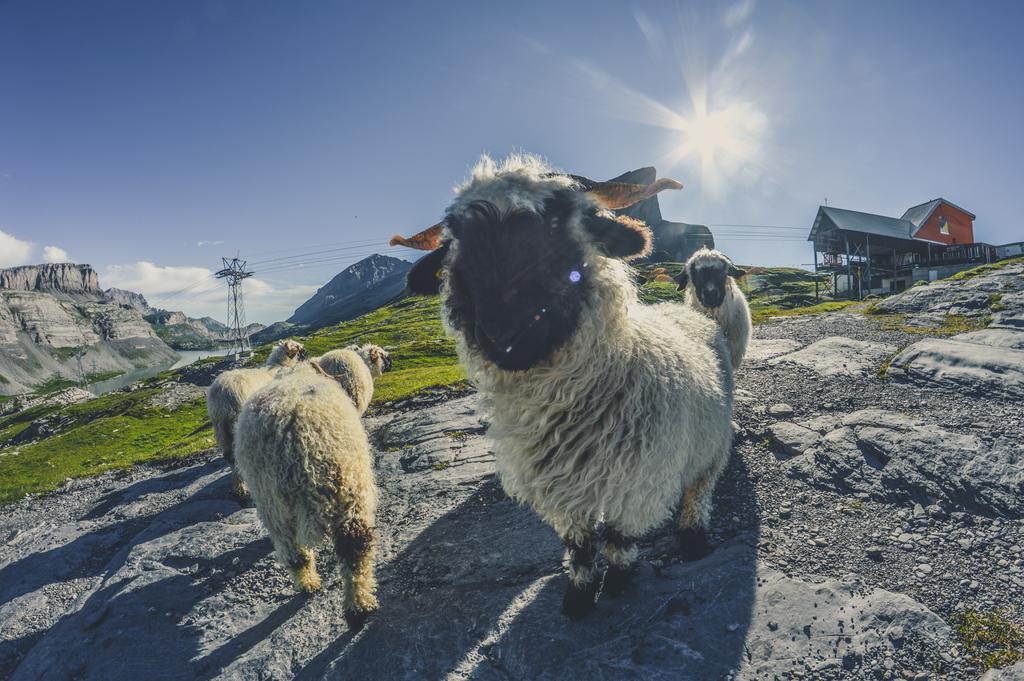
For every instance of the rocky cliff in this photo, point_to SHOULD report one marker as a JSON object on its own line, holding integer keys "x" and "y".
{"x": 56, "y": 323}
{"x": 64, "y": 279}
{"x": 129, "y": 299}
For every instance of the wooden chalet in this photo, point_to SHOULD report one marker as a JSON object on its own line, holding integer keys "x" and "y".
{"x": 863, "y": 253}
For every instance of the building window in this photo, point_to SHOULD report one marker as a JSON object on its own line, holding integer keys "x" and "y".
{"x": 944, "y": 226}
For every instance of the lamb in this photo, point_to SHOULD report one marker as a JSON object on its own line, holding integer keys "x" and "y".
{"x": 600, "y": 407}
{"x": 305, "y": 456}
{"x": 230, "y": 390}
{"x": 356, "y": 367}
{"x": 709, "y": 279}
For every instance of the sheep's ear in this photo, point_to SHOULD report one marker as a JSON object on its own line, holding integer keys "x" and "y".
{"x": 682, "y": 279}
{"x": 619, "y": 236}
{"x": 424, "y": 278}
{"x": 736, "y": 272}
{"x": 374, "y": 355}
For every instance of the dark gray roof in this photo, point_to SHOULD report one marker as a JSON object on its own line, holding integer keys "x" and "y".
{"x": 855, "y": 221}
{"x": 919, "y": 214}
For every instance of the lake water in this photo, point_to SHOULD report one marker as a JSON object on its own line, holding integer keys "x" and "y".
{"x": 185, "y": 357}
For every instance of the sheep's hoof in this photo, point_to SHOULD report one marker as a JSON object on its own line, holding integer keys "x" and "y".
{"x": 693, "y": 543}
{"x": 617, "y": 579}
{"x": 356, "y": 619}
{"x": 579, "y": 600}
{"x": 307, "y": 579}
{"x": 240, "y": 492}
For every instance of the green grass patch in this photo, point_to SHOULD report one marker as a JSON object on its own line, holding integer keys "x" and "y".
{"x": 950, "y": 325}
{"x": 411, "y": 330}
{"x": 53, "y": 384}
{"x": 104, "y": 435}
{"x": 990, "y": 639}
{"x": 64, "y": 354}
{"x": 761, "y": 314}
{"x": 983, "y": 269}
{"x": 995, "y": 302}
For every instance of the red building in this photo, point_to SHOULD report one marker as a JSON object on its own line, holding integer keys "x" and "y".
{"x": 866, "y": 253}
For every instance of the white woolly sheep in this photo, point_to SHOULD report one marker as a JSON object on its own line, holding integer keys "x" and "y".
{"x": 304, "y": 455}
{"x": 709, "y": 279}
{"x": 600, "y": 407}
{"x": 376, "y": 357}
{"x": 230, "y": 390}
{"x": 355, "y": 368}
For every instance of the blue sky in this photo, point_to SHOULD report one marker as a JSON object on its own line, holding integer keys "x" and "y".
{"x": 149, "y": 139}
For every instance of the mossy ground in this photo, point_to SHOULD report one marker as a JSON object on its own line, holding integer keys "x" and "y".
{"x": 991, "y": 639}
{"x": 949, "y": 326}
{"x": 112, "y": 431}
{"x": 984, "y": 269}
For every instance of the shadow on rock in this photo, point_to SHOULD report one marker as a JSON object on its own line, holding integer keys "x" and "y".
{"x": 478, "y": 595}
{"x": 137, "y": 490}
{"x": 89, "y": 554}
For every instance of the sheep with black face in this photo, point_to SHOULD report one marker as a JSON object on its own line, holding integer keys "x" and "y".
{"x": 709, "y": 279}
{"x": 601, "y": 408}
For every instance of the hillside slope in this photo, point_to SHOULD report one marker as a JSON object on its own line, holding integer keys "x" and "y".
{"x": 357, "y": 289}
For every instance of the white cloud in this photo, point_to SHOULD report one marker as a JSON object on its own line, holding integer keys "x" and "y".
{"x": 14, "y": 251}
{"x": 200, "y": 244}
{"x": 196, "y": 292}
{"x": 55, "y": 254}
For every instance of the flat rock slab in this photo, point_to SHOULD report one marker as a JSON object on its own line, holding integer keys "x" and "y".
{"x": 963, "y": 365}
{"x": 838, "y": 356}
{"x": 894, "y": 457}
{"x": 1011, "y": 314}
{"x": 994, "y": 337}
{"x": 760, "y": 350}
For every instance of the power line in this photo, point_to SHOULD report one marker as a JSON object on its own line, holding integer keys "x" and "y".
{"x": 727, "y": 224}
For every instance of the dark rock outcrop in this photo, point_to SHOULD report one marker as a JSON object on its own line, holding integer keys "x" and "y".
{"x": 129, "y": 299}
{"x": 357, "y": 289}
{"x": 673, "y": 241}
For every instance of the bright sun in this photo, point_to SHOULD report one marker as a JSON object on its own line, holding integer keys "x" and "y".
{"x": 720, "y": 141}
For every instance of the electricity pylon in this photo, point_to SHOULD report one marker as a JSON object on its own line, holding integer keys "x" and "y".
{"x": 234, "y": 271}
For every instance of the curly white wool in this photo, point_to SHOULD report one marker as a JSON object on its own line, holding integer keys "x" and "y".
{"x": 350, "y": 370}
{"x": 304, "y": 454}
{"x": 230, "y": 390}
{"x": 632, "y": 411}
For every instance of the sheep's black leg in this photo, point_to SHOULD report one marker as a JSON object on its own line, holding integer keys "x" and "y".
{"x": 694, "y": 518}
{"x": 621, "y": 553}
{"x": 693, "y": 543}
{"x": 355, "y": 544}
{"x": 583, "y": 578}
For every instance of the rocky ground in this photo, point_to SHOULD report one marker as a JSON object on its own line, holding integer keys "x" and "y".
{"x": 859, "y": 518}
